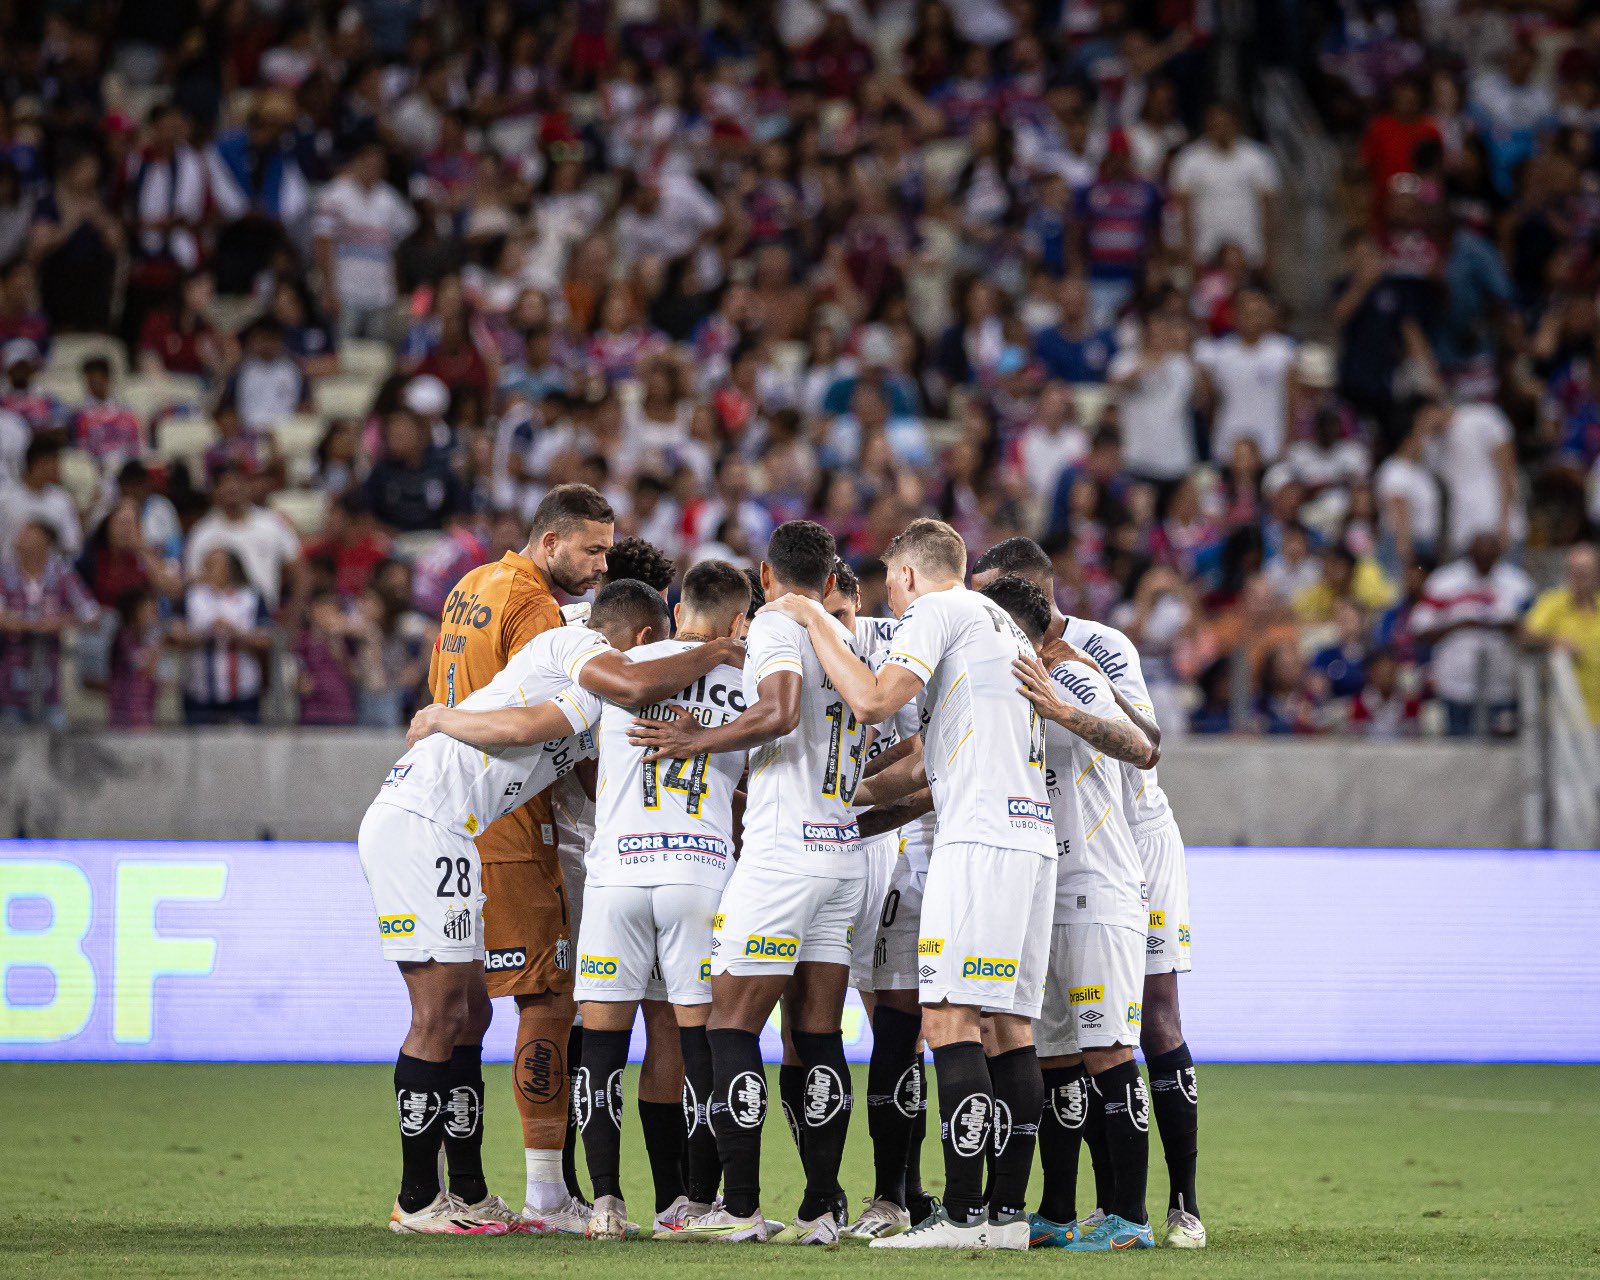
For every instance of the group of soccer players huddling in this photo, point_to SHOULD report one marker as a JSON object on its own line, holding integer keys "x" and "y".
{"x": 765, "y": 799}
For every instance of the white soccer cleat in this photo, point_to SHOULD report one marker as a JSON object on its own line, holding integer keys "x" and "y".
{"x": 937, "y": 1231}
{"x": 444, "y": 1216}
{"x": 1183, "y": 1231}
{"x": 671, "y": 1219}
{"x": 721, "y": 1227}
{"x": 608, "y": 1220}
{"x": 497, "y": 1210}
{"x": 569, "y": 1218}
{"x": 823, "y": 1232}
{"x": 879, "y": 1220}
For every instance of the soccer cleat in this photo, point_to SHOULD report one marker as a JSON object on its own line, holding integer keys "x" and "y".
{"x": 1044, "y": 1234}
{"x": 937, "y": 1231}
{"x": 823, "y": 1231}
{"x": 671, "y": 1219}
{"x": 569, "y": 1218}
{"x": 497, "y": 1210}
{"x": 1112, "y": 1235}
{"x": 721, "y": 1227}
{"x": 444, "y": 1216}
{"x": 608, "y": 1220}
{"x": 881, "y": 1218}
{"x": 1183, "y": 1231}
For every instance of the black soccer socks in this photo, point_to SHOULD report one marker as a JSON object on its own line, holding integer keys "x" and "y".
{"x": 919, "y": 1204}
{"x": 702, "y": 1170}
{"x": 894, "y": 1094}
{"x": 463, "y": 1123}
{"x": 1066, "y": 1103}
{"x": 1018, "y": 1100}
{"x": 825, "y": 1104}
{"x": 1127, "y": 1130}
{"x": 1175, "y": 1099}
{"x": 738, "y": 1110}
{"x": 420, "y": 1088}
{"x": 966, "y": 1123}
{"x": 598, "y": 1102}
{"x": 569, "y": 1146}
{"x": 791, "y": 1084}
{"x": 664, "y": 1131}
{"x": 1094, "y": 1137}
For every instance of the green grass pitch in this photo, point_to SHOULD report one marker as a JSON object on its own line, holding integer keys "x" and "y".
{"x": 1306, "y": 1171}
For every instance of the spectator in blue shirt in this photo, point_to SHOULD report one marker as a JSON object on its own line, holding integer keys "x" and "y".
{"x": 1075, "y": 351}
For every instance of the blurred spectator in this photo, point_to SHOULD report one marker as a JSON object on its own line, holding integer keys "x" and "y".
{"x": 136, "y": 654}
{"x": 78, "y": 246}
{"x": 353, "y": 543}
{"x": 1251, "y": 372}
{"x": 109, "y": 432}
{"x": 1472, "y": 454}
{"x": 1410, "y": 512}
{"x": 1384, "y": 707}
{"x": 224, "y": 629}
{"x": 40, "y": 597}
{"x": 361, "y": 220}
{"x": 327, "y": 665}
{"x": 180, "y": 338}
{"x": 259, "y": 539}
{"x": 1075, "y": 350}
{"x": 1568, "y": 617}
{"x": 411, "y": 488}
{"x": 1227, "y": 189}
{"x": 1157, "y": 386}
{"x": 268, "y": 384}
{"x": 40, "y": 497}
{"x": 166, "y": 203}
{"x": 118, "y": 559}
{"x": 1340, "y": 668}
{"x": 1469, "y": 614}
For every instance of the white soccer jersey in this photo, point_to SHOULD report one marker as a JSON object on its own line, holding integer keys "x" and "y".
{"x": 464, "y": 789}
{"x": 1099, "y": 878}
{"x": 798, "y": 818}
{"x": 667, "y": 822}
{"x": 873, "y": 637}
{"x": 983, "y": 746}
{"x": 1143, "y": 799}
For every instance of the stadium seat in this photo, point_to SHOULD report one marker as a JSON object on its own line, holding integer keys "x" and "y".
{"x": 70, "y": 350}
{"x": 149, "y": 395}
{"x": 365, "y": 358}
{"x": 297, "y": 438}
{"x": 789, "y": 357}
{"x": 943, "y": 161}
{"x": 66, "y": 385}
{"x": 233, "y": 313}
{"x": 1089, "y": 399}
{"x": 186, "y": 437}
{"x": 80, "y": 476}
{"x": 305, "y": 509}
{"x": 344, "y": 396}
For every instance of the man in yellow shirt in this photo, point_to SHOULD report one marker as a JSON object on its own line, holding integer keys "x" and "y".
{"x": 1568, "y": 617}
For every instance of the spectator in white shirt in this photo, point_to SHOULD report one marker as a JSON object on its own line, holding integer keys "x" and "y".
{"x": 1252, "y": 375}
{"x": 1327, "y": 467}
{"x": 360, "y": 222}
{"x": 39, "y": 498}
{"x": 266, "y": 546}
{"x": 1469, "y": 612}
{"x": 1051, "y": 442}
{"x": 1410, "y": 513}
{"x": 1471, "y": 452}
{"x": 666, "y": 215}
{"x": 268, "y": 384}
{"x": 1227, "y": 190}
{"x": 1156, "y": 385}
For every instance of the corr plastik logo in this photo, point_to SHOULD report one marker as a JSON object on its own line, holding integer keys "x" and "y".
{"x": 988, "y": 969}
{"x": 396, "y": 926}
{"x": 1023, "y": 807}
{"x": 761, "y": 947}
{"x": 830, "y": 833}
{"x": 597, "y": 966}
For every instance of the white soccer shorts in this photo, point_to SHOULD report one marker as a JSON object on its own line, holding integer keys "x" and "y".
{"x": 985, "y": 934}
{"x": 880, "y": 855}
{"x": 427, "y": 887}
{"x": 1166, "y": 887}
{"x": 1094, "y": 992}
{"x": 899, "y": 924}
{"x": 633, "y": 932}
{"x": 771, "y": 919}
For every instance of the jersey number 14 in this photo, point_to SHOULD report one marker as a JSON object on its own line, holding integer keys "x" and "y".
{"x": 687, "y": 777}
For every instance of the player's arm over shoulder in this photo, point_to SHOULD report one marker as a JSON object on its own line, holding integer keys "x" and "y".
{"x": 1092, "y": 711}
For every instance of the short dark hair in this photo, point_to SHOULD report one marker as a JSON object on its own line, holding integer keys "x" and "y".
{"x": 41, "y": 446}
{"x": 802, "y": 554}
{"x": 758, "y": 593}
{"x": 845, "y": 581}
{"x": 567, "y": 506}
{"x": 1016, "y": 557}
{"x": 631, "y": 603}
{"x": 636, "y": 558}
{"x": 1026, "y": 604}
{"x": 96, "y": 364}
{"x": 715, "y": 588}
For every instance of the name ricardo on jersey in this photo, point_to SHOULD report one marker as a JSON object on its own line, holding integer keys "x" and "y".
{"x": 1080, "y": 687}
{"x": 830, "y": 833}
{"x": 1108, "y": 659}
{"x": 683, "y": 846}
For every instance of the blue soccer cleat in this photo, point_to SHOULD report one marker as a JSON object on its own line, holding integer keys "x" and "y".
{"x": 1045, "y": 1234}
{"x": 1113, "y": 1235}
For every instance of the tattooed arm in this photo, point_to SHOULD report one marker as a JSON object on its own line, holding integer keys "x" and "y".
{"x": 1055, "y": 652}
{"x": 1120, "y": 739}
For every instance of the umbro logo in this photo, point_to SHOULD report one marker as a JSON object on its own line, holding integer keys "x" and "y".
{"x": 927, "y": 971}
{"x": 1090, "y": 1016}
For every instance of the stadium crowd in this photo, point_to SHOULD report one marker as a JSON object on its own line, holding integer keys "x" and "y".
{"x": 303, "y": 306}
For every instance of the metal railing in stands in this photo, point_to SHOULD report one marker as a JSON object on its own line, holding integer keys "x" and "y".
{"x": 1561, "y": 756}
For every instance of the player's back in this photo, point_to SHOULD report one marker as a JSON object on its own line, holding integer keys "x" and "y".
{"x": 667, "y": 822}
{"x": 1143, "y": 799}
{"x": 466, "y": 789}
{"x": 798, "y": 816}
{"x": 983, "y": 746}
{"x": 1100, "y": 873}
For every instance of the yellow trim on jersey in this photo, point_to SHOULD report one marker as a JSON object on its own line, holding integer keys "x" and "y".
{"x": 583, "y": 658}
{"x": 1140, "y": 791}
{"x": 778, "y": 751}
{"x": 900, "y": 653}
{"x": 1089, "y": 834}
{"x": 572, "y": 702}
{"x": 779, "y": 664}
{"x": 952, "y": 691}
{"x": 960, "y": 744}
{"x": 1091, "y": 765}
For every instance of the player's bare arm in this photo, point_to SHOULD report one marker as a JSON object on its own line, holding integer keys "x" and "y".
{"x": 891, "y": 817}
{"x": 1056, "y": 651}
{"x": 776, "y": 712}
{"x": 637, "y": 684}
{"x": 496, "y": 730}
{"x": 898, "y": 781}
{"x": 871, "y": 698}
{"x": 893, "y": 755}
{"x": 1119, "y": 739}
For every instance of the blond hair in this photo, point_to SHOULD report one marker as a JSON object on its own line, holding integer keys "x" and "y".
{"x": 930, "y": 547}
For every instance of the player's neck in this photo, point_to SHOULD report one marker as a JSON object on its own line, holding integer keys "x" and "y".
{"x": 779, "y": 590}
{"x": 932, "y": 590}
{"x": 695, "y": 631}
